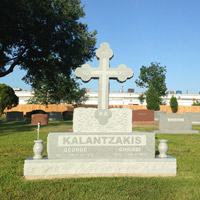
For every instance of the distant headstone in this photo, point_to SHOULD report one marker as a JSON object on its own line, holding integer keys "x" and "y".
{"x": 67, "y": 115}
{"x": 102, "y": 143}
{"x": 14, "y": 116}
{"x": 157, "y": 114}
{"x": 175, "y": 123}
{"x": 195, "y": 117}
{"x": 54, "y": 116}
{"x": 42, "y": 118}
{"x": 143, "y": 116}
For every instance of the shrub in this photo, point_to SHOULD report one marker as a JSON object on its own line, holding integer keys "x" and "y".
{"x": 174, "y": 104}
{"x": 152, "y": 99}
{"x": 196, "y": 103}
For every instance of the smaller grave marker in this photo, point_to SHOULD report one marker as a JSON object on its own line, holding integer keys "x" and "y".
{"x": 157, "y": 114}
{"x": 42, "y": 118}
{"x": 54, "y": 116}
{"x": 175, "y": 123}
{"x": 143, "y": 116}
{"x": 195, "y": 117}
{"x": 14, "y": 116}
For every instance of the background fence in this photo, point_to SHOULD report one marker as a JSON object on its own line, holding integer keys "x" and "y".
{"x": 68, "y": 107}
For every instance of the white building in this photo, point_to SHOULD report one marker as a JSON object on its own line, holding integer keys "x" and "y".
{"x": 118, "y": 98}
{"x": 24, "y": 96}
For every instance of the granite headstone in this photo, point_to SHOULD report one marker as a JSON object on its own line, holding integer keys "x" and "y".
{"x": 67, "y": 115}
{"x": 195, "y": 117}
{"x": 42, "y": 118}
{"x": 157, "y": 114}
{"x": 143, "y": 116}
{"x": 54, "y": 116}
{"x": 175, "y": 123}
{"x": 14, "y": 116}
{"x": 102, "y": 143}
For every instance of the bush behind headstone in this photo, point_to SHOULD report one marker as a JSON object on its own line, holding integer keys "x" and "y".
{"x": 152, "y": 99}
{"x": 174, "y": 104}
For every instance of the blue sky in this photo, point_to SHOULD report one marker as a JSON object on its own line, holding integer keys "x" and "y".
{"x": 141, "y": 32}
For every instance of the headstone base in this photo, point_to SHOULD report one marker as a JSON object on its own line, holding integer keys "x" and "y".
{"x": 145, "y": 123}
{"x": 59, "y": 168}
{"x": 177, "y": 132}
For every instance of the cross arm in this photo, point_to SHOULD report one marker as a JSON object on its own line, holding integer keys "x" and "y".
{"x": 86, "y": 72}
{"x": 121, "y": 73}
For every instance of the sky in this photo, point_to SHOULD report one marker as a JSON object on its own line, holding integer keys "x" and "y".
{"x": 140, "y": 32}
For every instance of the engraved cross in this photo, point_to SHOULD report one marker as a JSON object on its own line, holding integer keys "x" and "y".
{"x": 103, "y": 73}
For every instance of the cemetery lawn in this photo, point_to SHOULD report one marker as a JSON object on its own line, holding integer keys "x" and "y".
{"x": 16, "y": 144}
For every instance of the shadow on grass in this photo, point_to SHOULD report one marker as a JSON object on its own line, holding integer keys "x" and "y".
{"x": 25, "y": 126}
{"x": 14, "y": 127}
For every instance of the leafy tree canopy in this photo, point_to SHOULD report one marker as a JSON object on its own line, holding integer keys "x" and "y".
{"x": 154, "y": 75}
{"x": 44, "y": 38}
{"x": 59, "y": 90}
{"x": 8, "y": 99}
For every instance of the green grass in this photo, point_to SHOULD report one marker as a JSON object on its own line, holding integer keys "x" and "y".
{"x": 16, "y": 144}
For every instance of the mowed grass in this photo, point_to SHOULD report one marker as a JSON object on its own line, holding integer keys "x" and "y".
{"x": 16, "y": 144}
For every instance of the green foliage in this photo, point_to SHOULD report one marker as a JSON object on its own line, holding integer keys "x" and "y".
{"x": 44, "y": 38}
{"x": 163, "y": 103}
{"x": 152, "y": 99}
{"x": 8, "y": 99}
{"x": 174, "y": 104}
{"x": 154, "y": 75}
{"x": 141, "y": 98}
{"x": 63, "y": 90}
{"x": 197, "y": 103}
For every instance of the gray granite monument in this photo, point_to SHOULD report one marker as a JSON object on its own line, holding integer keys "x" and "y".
{"x": 157, "y": 114}
{"x": 195, "y": 117}
{"x": 102, "y": 142}
{"x": 175, "y": 123}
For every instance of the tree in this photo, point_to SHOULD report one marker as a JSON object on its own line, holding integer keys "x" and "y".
{"x": 174, "y": 104}
{"x": 63, "y": 90}
{"x": 154, "y": 75}
{"x": 8, "y": 99}
{"x": 152, "y": 99}
{"x": 43, "y": 38}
